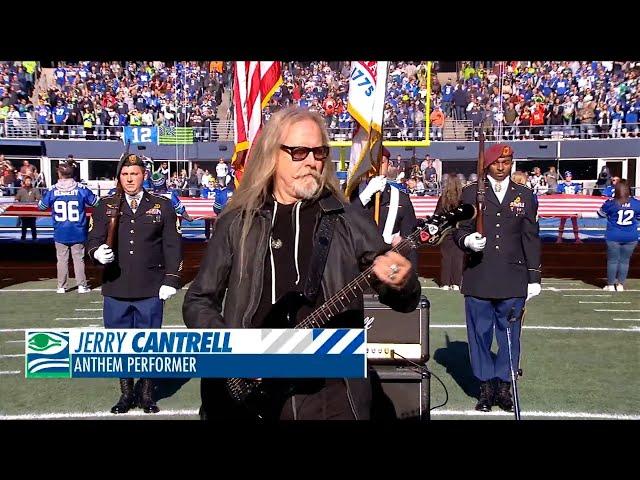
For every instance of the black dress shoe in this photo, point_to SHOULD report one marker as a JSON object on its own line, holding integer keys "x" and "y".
{"x": 146, "y": 402}
{"x": 486, "y": 397}
{"x": 127, "y": 399}
{"x": 503, "y": 396}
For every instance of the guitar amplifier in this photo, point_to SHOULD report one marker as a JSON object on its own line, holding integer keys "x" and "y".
{"x": 394, "y": 337}
{"x": 399, "y": 393}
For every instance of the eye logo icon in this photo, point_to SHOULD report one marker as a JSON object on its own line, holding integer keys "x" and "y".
{"x": 47, "y": 355}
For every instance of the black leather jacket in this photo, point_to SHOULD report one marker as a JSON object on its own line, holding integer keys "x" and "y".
{"x": 356, "y": 242}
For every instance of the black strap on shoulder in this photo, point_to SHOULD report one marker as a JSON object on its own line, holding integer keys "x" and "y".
{"x": 322, "y": 242}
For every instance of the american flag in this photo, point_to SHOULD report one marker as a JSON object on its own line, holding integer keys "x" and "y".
{"x": 254, "y": 83}
{"x": 549, "y": 206}
{"x": 170, "y": 135}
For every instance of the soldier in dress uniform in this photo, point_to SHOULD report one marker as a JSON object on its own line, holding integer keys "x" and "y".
{"x": 142, "y": 270}
{"x": 501, "y": 273}
{"x": 397, "y": 215}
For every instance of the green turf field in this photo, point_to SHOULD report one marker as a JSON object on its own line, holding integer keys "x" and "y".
{"x": 577, "y": 362}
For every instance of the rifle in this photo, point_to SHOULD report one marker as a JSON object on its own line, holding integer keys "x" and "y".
{"x": 481, "y": 186}
{"x": 114, "y": 214}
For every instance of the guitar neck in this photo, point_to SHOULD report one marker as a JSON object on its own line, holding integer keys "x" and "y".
{"x": 336, "y": 303}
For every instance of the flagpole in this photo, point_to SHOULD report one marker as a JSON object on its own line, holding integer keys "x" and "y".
{"x": 378, "y": 163}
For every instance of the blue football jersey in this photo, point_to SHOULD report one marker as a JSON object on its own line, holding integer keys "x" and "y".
{"x": 569, "y": 188}
{"x": 222, "y": 197}
{"x": 177, "y": 205}
{"x": 622, "y": 220}
{"x": 68, "y": 212}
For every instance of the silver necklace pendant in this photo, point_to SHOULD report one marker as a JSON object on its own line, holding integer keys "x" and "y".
{"x": 276, "y": 243}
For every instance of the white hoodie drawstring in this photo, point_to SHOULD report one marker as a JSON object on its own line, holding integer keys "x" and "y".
{"x": 297, "y": 208}
{"x": 273, "y": 268}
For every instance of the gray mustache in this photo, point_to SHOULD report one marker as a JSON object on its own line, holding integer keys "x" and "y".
{"x": 313, "y": 173}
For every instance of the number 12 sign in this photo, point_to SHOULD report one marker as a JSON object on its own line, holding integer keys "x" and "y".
{"x": 140, "y": 135}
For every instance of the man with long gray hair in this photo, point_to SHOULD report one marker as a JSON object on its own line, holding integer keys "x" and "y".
{"x": 289, "y": 228}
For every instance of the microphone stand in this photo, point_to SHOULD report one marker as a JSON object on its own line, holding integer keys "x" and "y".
{"x": 514, "y": 375}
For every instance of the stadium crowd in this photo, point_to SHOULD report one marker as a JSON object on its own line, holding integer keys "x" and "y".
{"x": 96, "y": 99}
{"x": 506, "y": 100}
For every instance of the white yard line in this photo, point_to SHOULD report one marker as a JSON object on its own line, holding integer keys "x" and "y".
{"x": 544, "y": 327}
{"x": 584, "y": 295}
{"x": 78, "y": 318}
{"x": 604, "y": 310}
{"x": 605, "y": 302}
{"x": 102, "y": 414}
{"x": 99, "y": 309}
{"x": 498, "y": 413}
{"x": 583, "y": 290}
{"x": 628, "y": 319}
{"x": 435, "y": 413}
{"x": 18, "y": 290}
{"x": 10, "y": 372}
{"x": 3, "y": 290}
{"x": 12, "y": 355}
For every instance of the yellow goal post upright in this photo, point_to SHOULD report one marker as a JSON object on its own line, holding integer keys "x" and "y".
{"x": 344, "y": 144}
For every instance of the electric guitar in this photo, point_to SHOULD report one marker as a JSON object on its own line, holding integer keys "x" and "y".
{"x": 263, "y": 399}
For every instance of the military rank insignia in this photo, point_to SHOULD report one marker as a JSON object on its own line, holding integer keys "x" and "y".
{"x": 91, "y": 223}
{"x": 178, "y": 227}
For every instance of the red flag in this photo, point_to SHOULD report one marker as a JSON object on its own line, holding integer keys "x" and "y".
{"x": 254, "y": 84}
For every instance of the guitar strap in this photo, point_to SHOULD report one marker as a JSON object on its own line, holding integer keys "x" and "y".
{"x": 322, "y": 242}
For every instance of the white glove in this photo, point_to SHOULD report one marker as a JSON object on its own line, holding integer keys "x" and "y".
{"x": 166, "y": 292}
{"x": 376, "y": 184}
{"x": 533, "y": 289}
{"x": 104, "y": 254}
{"x": 475, "y": 242}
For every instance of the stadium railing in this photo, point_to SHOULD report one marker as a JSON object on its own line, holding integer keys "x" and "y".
{"x": 223, "y": 130}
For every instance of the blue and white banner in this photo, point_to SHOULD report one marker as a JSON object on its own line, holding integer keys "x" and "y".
{"x": 140, "y": 135}
{"x": 219, "y": 353}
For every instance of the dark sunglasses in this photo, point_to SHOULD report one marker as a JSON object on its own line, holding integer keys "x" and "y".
{"x": 300, "y": 153}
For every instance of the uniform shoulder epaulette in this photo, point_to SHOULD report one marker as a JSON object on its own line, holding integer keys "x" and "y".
{"x": 525, "y": 186}
{"x": 469, "y": 184}
{"x": 159, "y": 197}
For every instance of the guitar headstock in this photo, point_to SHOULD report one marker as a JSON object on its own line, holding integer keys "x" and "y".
{"x": 432, "y": 230}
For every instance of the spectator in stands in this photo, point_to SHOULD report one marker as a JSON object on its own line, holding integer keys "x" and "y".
{"x": 431, "y": 187}
{"x": 28, "y": 194}
{"x": 208, "y": 192}
{"x": 27, "y": 169}
{"x": 451, "y": 257}
{"x": 541, "y": 188}
{"x": 67, "y": 200}
{"x": 552, "y": 177}
{"x": 447, "y": 97}
{"x": 460, "y": 101}
{"x": 510, "y": 116}
{"x": 603, "y": 181}
{"x": 437, "y": 123}
{"x": 222, "y": 170}
{"x": 610, "y": 189}
{"x": 587, "y": 117}
{"x": 569, "y": 187}
{"x": 622, "y": 213}
{"x": 8, "y": 176}
{"x": 519, "y": 177}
